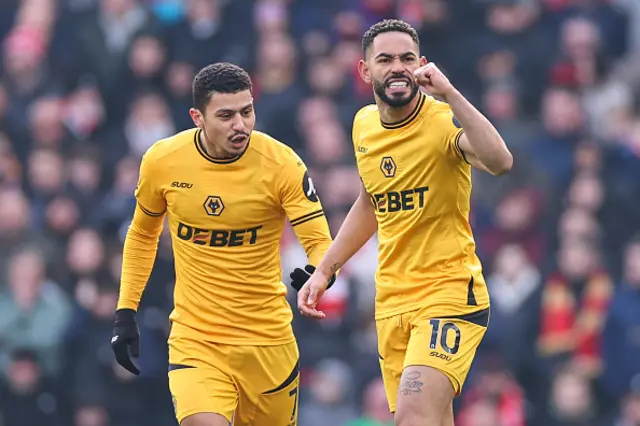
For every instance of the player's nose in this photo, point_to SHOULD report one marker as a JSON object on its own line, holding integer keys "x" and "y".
{"x": 397, "y": 67}
{"x": 238, "y": 125}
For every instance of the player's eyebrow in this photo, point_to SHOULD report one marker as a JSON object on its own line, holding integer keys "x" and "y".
{"x": 231, "y": 111}
{"x": 390, "y": 56}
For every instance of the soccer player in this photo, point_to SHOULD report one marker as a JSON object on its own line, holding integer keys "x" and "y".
{"x": 414, "y": 154}
{"x": 226, "y": 190}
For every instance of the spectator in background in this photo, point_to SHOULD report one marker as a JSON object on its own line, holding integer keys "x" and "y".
{"x": 15, "y": 226}
{"x": 516, "y": 220}
{"x": 630, "y": 415}
{"x": 330, "y": 395}
{"x": 621, "y": 336}
{"x": 87, "y": 84}
{"x": 575, "y": 300}
{"x": 514, "y": 288}
{"x": 494, "y": 398}
{"x": 35, "y": 313}
{"x": 103, "y": 38}
{"x": 85, "y": 255}
{"x": 375, "y": 409}
{"x": 572, "y": 401}
{"x": 91, "y": 415}
{"x": 563, "y": 122}
{"x": 149, "y": 121}
{"x": 95, "y": 376}
{"x": 27, "y": 398}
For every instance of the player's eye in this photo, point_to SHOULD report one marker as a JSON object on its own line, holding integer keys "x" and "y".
{"x": 409, "y": 59}
{"x": 384, "y": 60}
{"x": 247, "y": 112}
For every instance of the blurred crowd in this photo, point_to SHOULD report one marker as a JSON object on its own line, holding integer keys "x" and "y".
{"x": 88, "y": 85}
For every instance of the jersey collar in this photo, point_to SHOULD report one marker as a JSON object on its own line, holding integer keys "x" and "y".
{"x": 408, "y": 119}
{"x": 198, "y": 142}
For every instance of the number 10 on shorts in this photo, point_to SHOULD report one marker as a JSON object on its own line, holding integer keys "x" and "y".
{"x": 439, "y": 334}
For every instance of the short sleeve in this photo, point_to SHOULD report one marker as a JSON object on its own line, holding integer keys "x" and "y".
{"x": 355, "y": 132}
{"x": 298, "y": 193}
{"x": 357, "y": 125}
{"x": 148, "y": 192}
{"x": 450, "y": 128}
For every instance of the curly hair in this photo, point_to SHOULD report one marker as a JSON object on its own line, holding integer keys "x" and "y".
{"x": 386, "y": 26}
{"x": 221, "y": 77}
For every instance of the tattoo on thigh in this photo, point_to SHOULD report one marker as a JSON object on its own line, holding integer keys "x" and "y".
{"x": 411, "y": 383}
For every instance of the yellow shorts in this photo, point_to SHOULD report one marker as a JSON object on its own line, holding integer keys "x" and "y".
{"x": 445, "y": 343}
{"x": 249, "y": 385}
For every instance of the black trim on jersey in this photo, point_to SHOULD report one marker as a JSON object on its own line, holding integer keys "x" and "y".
{"x": 457, "y": 143}
{"x": 149, "y": 212}
{"x": 307, "y": 217}
{"x": 480, "y": 318}
{"x": 287, "y": 381}
{"x": 471, "y": 297}
{"x": 412, "y": 116}
{"x": 203, "y": 152}
{"x": 173, "y": 367}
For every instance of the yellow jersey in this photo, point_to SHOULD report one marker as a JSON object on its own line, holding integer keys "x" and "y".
{"x": 420, "y": 186}
{"x": 226, "y": 219}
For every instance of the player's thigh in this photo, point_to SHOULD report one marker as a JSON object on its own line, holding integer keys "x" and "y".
{"x": 393, "y": 339}
{"x": 275, "y": 407}
{"x": 447, "y": 344}
{"x": 200, "y": 379}
{"x": 269, "y": 387}
{"x": 439, "y": 357}
{"x": 424, "y": 396}
{"x": 197, "y": 390}
{"x": 205, "y": 419}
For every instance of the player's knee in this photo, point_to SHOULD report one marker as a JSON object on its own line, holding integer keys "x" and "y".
{"x": 412, "y": 418}
{"x": 408, "y": 417}
{"x": 447, "y": 419}
{"x": 205, "y": 419}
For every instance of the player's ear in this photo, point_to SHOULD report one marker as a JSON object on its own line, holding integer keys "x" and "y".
{"x": 196, "y": 116}
{"x": 423, "y": 61}
{"x": 364, "y": 71}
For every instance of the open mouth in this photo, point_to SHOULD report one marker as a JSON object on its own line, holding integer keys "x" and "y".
{"x": 238, "y": 140}
{"x": 398, "y": 83}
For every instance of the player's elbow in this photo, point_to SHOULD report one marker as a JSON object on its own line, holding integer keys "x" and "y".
{"x": 502, "y": 166}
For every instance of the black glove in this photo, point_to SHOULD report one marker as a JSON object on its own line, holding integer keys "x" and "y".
{"x": 300, "y": 276}
{"x": 125, "y": 335}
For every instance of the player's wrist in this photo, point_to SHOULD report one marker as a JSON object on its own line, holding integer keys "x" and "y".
{"x": 451, "y": 95}
{"x": 125, "y": 315}
{"x": 327, "y": 272}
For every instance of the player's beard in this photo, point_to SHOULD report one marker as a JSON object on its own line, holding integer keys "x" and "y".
{"x": 379, "y": 87}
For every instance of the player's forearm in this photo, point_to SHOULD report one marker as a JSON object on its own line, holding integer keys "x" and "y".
{"x": 315, "y": 238}
{"x": 485, "y": 141}
{"x": 358, "y": 227}
{"x": 138, "y": 257}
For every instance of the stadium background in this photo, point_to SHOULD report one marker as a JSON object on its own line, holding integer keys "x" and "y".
{"x": 88, "y": 85}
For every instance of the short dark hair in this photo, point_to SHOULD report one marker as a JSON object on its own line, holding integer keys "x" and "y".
{"x": 387, "y": 26}
{"x": 221, "y": 77}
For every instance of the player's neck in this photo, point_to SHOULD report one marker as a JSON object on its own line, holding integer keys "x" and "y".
{"x": 211, "y": 150}
{"x": 389, "y": 114}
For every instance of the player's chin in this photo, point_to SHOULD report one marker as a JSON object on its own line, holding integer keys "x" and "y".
{"x": 399, "y": 99}
{"x": 398, "y": 93}
{"x": 238, "y": 145}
